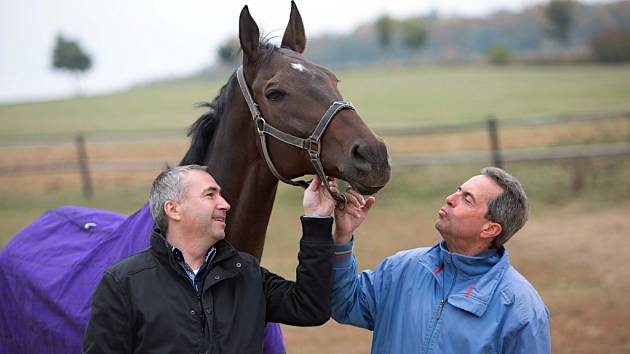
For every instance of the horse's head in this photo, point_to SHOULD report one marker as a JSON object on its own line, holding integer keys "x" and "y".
{"x": 293, "y": 95}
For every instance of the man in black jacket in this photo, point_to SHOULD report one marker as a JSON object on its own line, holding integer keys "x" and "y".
{"x": 192, "y": 292}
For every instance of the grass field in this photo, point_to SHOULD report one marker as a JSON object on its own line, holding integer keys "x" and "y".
{"x": 572, "y": 250}
{"x": 392, "y": 95}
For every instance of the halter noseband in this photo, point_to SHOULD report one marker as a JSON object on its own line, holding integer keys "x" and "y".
{"x": 311, "y": 144}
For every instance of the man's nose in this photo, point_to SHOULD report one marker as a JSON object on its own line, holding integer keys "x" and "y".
{"x": 450, "y": 200}
{"x": 224, "y": 205}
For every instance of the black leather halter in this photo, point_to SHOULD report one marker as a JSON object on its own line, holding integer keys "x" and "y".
{"x": 311, "y": 144}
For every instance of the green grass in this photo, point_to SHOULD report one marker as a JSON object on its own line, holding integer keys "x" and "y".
{"x": 435, "y": 94}
{"x": 382, "y": 95}
{"x": 145, "y": 108}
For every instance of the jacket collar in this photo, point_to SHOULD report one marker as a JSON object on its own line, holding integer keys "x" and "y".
{"x": 163, "y": 248}
{"x": 477, "y": 276}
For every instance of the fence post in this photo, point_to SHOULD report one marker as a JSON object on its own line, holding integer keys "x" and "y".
{"x": 494, "y": 142}
{"x": 83, "y": 166}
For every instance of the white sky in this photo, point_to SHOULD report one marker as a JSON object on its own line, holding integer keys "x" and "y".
{"x": 133, "y": 41}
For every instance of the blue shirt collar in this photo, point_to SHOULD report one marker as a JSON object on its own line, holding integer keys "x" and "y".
{"x": 196, "y": 279}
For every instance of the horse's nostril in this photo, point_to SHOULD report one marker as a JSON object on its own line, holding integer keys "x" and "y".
{"x": 357, "y": 152}
{"x": 360, "y": 154}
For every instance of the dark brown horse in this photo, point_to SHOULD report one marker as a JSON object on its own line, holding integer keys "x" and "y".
{"x": 292, "y": 95}
{"x": 48, "y": 271}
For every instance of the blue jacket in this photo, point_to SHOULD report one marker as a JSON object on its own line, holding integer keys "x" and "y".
{"x": 429, "y": 300}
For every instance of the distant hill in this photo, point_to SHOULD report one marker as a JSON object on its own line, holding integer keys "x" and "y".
{"x": 469, "y": 39}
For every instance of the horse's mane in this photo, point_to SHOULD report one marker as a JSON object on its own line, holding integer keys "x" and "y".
{"x": 202, "y": 130}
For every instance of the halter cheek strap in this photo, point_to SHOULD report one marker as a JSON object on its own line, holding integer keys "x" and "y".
{"x": 311, "y": 144}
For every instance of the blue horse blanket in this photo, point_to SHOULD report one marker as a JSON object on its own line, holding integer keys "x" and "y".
{"x": 50, "y": 269}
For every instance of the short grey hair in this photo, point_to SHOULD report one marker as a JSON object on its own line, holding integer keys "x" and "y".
{"x": 168, "y": 186}
{"x": 510, "y": 208}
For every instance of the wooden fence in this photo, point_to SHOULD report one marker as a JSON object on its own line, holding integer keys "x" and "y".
{"x": 494, "y": 154}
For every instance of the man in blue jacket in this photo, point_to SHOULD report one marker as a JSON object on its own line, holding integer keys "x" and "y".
{"x": 459, "y": 296}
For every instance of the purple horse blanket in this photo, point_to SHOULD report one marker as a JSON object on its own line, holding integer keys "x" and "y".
{"x": 49, "y": 271}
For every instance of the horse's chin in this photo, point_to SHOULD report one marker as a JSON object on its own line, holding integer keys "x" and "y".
{"x": 363, "y": 189}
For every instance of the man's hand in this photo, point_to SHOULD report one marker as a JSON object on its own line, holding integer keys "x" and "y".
{"x": 349, "y": 219}
{"x": 317, "y": 201}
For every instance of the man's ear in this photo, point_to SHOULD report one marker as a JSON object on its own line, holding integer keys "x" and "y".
{"x": 172, "y": 210}
{"x": 490, "y": 230}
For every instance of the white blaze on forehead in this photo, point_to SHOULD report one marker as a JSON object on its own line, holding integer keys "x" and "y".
{"x": 298, "y": 67}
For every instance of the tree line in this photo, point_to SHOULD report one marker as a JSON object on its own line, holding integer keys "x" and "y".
{"x": 558, "y": 29}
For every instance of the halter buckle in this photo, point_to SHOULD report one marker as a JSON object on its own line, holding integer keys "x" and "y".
{"x": 313, "y": 147}
{"x": 341, "y": 201}
{"x": 260, "y": 124}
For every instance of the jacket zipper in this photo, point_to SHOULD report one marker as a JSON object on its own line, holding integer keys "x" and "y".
{"x": 440, "y": 308}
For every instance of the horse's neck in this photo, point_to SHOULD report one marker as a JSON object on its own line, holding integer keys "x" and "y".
{"x": 235, "y": 162}
{"x": 247, "y": 222}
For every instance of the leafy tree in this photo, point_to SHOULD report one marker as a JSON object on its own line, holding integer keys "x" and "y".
{"x": 559, "y": 19}
{"x": 68, "y": 55}
{"x": 499, "y": 55}
{"x": 611, "y": 46}
{"x": 384, "y": 30}
{"x": 414, "y": 34}
{"x": 228, "y": 51}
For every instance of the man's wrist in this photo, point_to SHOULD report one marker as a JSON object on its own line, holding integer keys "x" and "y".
{"x": 342, "y": 240}
{"x": 316, "y": 213}
{"x": 343, "y": 254}
{"x": 315, "y": 216}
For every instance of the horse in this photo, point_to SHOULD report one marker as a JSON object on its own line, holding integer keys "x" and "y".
{"x": 278, "y": 117}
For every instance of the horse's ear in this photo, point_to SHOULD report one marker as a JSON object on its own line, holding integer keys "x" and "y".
{"x": 248, "y": 35}
{"x": 294, "y": 37}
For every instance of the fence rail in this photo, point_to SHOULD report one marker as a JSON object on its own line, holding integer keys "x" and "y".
{"x": 449, "y": 158}
{"x": 494, "y": 154}
{"x": 515, "y": 155}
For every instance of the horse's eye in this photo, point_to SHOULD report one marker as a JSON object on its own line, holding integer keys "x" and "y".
{"x": 275, "y": 95}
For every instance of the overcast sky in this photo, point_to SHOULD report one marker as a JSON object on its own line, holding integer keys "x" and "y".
{"x": 134, "y": 41}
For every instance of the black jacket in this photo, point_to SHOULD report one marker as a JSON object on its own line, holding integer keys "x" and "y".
{"x": 146, "y": 303}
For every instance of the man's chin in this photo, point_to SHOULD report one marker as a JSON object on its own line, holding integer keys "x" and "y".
{"x": 439, "y": 225}
{"x": 218, "y": 235}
